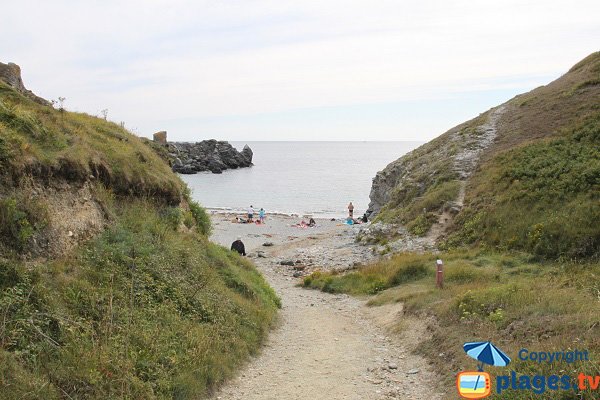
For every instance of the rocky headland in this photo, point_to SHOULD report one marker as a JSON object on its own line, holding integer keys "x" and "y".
{"x": 207, "y": 155}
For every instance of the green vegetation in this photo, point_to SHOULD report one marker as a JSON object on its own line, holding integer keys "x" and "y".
{"x": 542, "y": 197}
{"x": 521, "y": 260}
{"x": 19, "y": 219}
{"x": 509, "y": 299}
{"x": 417, "y": 208}
{"x": 46, "y": 143}
{"x": 143, "y": 311}
{"x": 148, "y": 308}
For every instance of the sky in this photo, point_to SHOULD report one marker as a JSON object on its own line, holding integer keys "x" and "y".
{"x": 293, "y": 70}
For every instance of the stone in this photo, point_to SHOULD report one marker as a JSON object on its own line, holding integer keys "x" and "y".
{"x": 393, "y": 366}
{"x": 160, "y": 137}
{"x": 267, "y": 244}
{"x": 287, "y": 262}
{"x": 414, "y": 371}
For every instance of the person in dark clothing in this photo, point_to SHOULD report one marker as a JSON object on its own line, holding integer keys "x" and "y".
{"x": 364, "y": 218}
{"x": 238, "y": 246}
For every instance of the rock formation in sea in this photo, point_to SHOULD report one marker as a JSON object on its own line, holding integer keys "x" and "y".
{"x": 207, "y": 155}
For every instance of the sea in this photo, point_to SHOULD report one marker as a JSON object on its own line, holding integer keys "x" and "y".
{"x": 316, "y": 179}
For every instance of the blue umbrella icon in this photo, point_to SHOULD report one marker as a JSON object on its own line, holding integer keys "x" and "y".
{"x": 486, "y": 353}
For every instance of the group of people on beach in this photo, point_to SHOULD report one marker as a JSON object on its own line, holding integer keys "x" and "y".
{"x": 250, "y": 217}
{"x": 239, "y": 247}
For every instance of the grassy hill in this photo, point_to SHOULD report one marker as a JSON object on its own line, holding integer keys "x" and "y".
{"x": 109, "y": 287}
{"x": 520, "y": 188}
{"x": 533, "y": 184}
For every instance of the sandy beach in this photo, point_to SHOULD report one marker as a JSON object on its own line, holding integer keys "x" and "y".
{"x": 328, "y": 245}
{"x": 325, "y": 346}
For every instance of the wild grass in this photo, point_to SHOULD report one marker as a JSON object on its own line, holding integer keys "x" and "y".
{"x": 543, "y": 198}
{"x": 510, "y": 299}
{"x": 44, "y": 142}
{"x": 144, "y": 311}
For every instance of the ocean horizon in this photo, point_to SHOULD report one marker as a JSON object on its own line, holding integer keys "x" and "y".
{"x": 304, "y": 178}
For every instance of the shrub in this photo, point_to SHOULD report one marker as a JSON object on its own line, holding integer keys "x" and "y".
{"x": 19, "y": 220}
{"x": 201, "y": 217}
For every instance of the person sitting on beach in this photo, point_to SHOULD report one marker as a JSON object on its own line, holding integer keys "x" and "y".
{"x": 302, "y": 224}
{"x": 364, "y": 218}
{"x": 311, "y": 222}
{"x": 238, "y": 246}
{"x": 251, "y": 214}
{"x": 261, "y": 215}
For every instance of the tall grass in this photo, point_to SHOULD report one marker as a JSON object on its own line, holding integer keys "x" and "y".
{"x": 510, "y": 299}
{"x": 41, "y": 141}
{"x": 143, "y": 311}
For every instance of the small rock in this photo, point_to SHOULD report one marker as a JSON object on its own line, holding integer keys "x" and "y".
{"x": 70, "y": 234}
{"x": 414, "y": 371}
{"x": 392, "y": 366}
{"x": 267, "y": 244}
{"x": 287, "y": 262}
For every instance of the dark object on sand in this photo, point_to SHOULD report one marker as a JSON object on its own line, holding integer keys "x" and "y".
{"x": 238, "y": 246}
{"x": 287, "y": 262}
{"x": 267, "y": 244}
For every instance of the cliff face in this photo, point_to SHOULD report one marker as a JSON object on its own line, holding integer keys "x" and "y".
{"x": 208, "y": 155}
{"x": 11, "y": 74}
{"x": 504, "y": 177}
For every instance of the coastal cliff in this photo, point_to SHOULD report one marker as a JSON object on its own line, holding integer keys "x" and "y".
{"x": 515, "y": 176}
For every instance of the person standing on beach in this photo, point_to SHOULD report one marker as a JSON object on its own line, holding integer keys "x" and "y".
{"x": 250, "y": 214}
{"x": 261, "y": 215}
{"x": 238, "y": 246}
{"x": 351, "y": 210}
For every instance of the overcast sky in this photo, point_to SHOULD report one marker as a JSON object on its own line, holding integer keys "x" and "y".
{"x": 294, "y": 70}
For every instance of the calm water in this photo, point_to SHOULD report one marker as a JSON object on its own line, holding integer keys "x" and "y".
{"x": 317, "y": 178}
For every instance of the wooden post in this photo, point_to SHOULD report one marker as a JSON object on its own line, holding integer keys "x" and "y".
{"x": 439, "y": 275}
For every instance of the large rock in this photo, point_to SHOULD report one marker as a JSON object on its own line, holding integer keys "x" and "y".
{"x": 11, "y": 74}
{"x": 160, "y": 137}
{"x": 208, "y": 155}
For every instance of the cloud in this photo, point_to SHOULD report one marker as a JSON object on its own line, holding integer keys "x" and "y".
{"x": 150, "y": 62}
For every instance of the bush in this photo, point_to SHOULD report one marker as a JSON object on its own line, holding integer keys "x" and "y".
{"x": 201, "y": 217}
{"x": 411, "y": 271}
{"x": 19, "y": 220}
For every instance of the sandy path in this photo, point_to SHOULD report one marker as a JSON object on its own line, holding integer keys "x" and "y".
{"x": 330, "y": 346}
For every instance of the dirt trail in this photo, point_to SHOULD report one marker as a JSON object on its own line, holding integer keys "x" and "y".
{"x": 331, "y": 346}
{"x": 465, "y": 163}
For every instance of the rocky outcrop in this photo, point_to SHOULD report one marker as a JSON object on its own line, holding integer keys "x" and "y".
{"x": 11, "y": 74}
{"x": 458, "y": 150}
{"x": 208, "y": 155}
{"x": 160, "y": 137}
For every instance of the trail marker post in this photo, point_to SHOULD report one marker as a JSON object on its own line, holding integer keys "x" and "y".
{"x": 439, "y": 274}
